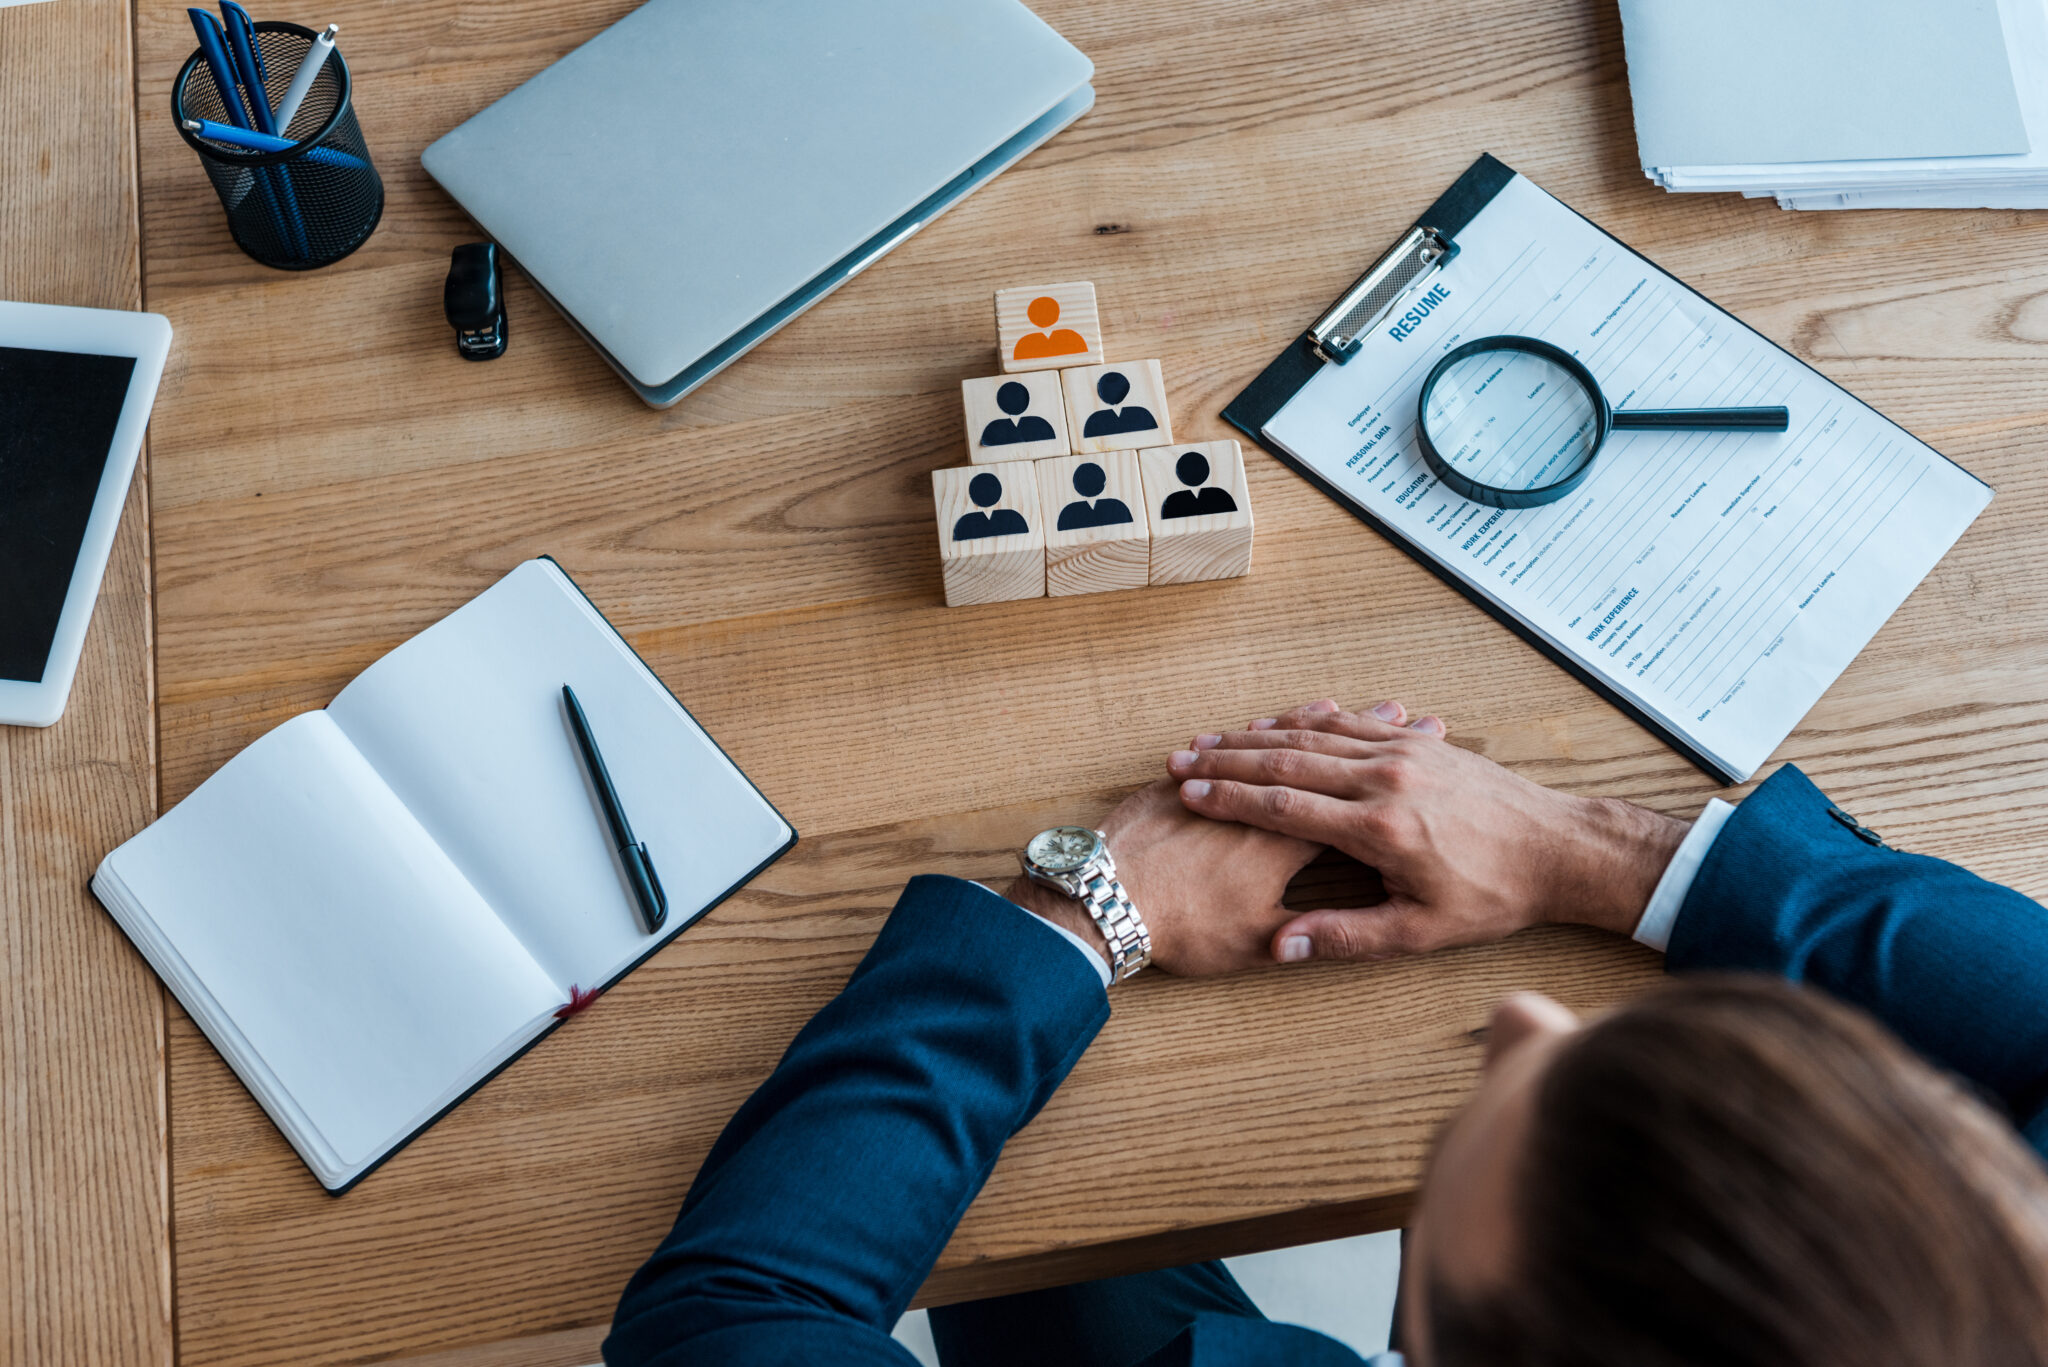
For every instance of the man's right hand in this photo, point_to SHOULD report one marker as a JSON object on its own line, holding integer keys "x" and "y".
{"x": 1469, "y": 852}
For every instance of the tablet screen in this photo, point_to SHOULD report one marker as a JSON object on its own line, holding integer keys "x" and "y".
{"x": 58, "y": 411}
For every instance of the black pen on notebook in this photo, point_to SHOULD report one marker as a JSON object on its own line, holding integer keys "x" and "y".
{"x": 633, "y": 854}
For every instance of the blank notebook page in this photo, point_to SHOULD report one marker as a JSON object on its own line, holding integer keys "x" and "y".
{"x": 466, "y": 723}
{"x": 346, "y": 950}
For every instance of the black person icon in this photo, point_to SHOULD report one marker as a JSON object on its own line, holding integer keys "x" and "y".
{"x": 985, "y": 489}
{"x": 1013, "y": 398}
{"x": 1089, "y": 481}
{"x": 1113, "y": 388}
{"x": 1193, "y": 470}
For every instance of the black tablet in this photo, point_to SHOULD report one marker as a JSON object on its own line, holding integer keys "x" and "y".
{"x": 75, "y": 390}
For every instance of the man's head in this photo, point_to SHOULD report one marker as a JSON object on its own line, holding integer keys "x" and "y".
{"x": 1728, "y": 1170}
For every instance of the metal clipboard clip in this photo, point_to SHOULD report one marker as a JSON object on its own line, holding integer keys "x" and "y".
{"x": 1414, "y": 259}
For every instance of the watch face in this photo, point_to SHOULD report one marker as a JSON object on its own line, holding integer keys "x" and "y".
{"x": 1063, "y": 848}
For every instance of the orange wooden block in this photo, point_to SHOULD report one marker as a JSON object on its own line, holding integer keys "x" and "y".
{"x": 1048, "y": 327}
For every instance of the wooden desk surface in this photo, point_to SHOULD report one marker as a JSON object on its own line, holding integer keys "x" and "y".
{"x": 327, "y": 477}
{"x": 85, "y": 1272}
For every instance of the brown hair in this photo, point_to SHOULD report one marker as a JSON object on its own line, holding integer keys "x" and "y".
{"x": 1736, "y": 1170}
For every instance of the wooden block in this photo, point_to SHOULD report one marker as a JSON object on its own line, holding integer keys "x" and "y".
{"x": 990, "y": 540}
{"x": 1015, "y": 417}
{"x": 1097, "y": 537}
{"x": 1050, "y": 327}
{"x": 1118, "y": 407}
{"x": 1201, "y": 511}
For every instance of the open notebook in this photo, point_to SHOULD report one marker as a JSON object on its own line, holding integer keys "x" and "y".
{"x": 378, "y": 905}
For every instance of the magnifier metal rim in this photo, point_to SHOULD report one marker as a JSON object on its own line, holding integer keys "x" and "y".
{"x": 1492, "y": 494}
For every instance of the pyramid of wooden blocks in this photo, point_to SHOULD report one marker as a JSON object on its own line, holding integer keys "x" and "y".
{"x": 1048, "y": 327}
{"x": 1097, "y": 537}
{"x": 1119, "y": 407}
{"x": 1015, "y": 417}
{"x": 1077, "y": 485}
{"x": 1200, "y": 511}
{"x": 991, "y": 539}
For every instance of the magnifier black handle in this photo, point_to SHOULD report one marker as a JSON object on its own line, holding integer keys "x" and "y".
{"x": 1700, "y": 419}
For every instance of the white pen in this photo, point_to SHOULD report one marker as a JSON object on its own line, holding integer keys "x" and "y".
{"x": 302, "y": 79}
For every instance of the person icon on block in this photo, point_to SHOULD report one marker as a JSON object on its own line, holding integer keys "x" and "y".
{"x": 1014, "y": 398}
{"x": 1113, "y": 388}
{"x": 985, "y": 489}
{"x": 1089, "y": 482}
{"x": 1193, "y": 470}
{"x": 1043, "y": 312}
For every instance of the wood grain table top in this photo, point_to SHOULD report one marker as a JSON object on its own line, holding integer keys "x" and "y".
{"x": 85, "y": 1258}
{"x": 326, "y": 477}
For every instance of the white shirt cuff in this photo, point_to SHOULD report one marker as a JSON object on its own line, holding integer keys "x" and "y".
{"x": 1088, "y": 951}
{"x": 1654, "y": 929}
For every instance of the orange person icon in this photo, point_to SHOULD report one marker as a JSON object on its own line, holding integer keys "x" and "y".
{"x": 1043, "y": 312}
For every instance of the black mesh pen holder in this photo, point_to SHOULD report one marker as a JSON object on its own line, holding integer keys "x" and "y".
{"x": 304, "y": 207}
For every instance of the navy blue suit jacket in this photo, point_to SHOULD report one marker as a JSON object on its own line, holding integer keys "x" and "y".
{"x": 824, "y": 1204}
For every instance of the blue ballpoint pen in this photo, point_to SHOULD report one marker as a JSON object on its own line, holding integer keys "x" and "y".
{"x": 213, "y": 47}
{"x": 248, "y": 60}
{"x": 213, "y": 50}
{"x": 228, "y": 7}
{"x": 248, "y": 66}
{"x": 270, "y": 142}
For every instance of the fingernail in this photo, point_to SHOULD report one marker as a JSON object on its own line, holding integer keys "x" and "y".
{"x": 1265, "y": 724}
{"x": 1195, "y": 788}
{"x": 1388, "y": 711}
{"x": 1181, "y": 759}
{"x": 1326, "y": 705}
{"x": 1295, "y": 948}
{"x": 1207, "y": 742}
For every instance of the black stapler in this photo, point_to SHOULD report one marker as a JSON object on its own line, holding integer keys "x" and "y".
{"x": 475, "y": 299}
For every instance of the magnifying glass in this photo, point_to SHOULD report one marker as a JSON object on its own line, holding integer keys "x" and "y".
{"x": 1512, "y": 422}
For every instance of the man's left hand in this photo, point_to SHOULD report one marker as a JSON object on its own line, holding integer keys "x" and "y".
{"x": 1209, "y": 890}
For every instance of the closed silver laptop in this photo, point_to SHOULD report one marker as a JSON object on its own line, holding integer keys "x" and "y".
{"x": 703, "y": 171}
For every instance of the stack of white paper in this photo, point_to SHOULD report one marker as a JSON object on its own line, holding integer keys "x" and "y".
{"x": 1844, "y": 104}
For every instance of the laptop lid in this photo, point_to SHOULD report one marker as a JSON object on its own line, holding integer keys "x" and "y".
{"x": 700, "y": 161}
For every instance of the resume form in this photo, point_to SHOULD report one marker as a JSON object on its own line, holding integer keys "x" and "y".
{"x": 1717, "y": 581}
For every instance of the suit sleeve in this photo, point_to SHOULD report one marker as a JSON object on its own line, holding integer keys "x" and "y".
{"x": 821, "y": 1209}
{"x": 1955, "y": 965}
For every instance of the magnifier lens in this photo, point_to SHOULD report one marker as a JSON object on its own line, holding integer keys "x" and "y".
{"x": 1511, "y": 419}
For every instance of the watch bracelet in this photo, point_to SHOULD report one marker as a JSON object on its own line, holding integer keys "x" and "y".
{"x": 1116, "y": 916}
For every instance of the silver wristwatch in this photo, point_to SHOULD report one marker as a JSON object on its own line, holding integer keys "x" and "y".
{"x": 1075, "y": 860}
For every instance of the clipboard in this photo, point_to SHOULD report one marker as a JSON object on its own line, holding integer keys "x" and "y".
{"x": 1401, "y": 275}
